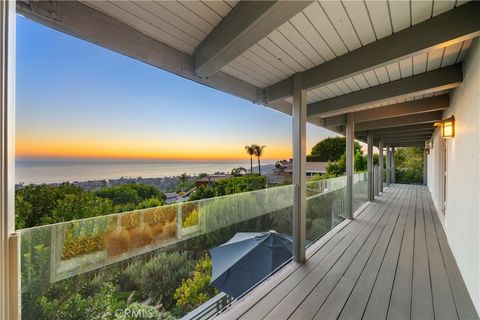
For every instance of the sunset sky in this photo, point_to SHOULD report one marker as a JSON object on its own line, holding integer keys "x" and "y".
{"x": 77, "y": 100}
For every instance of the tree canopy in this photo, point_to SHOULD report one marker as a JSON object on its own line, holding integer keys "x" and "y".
{"x": 245, "y": 183}
{"x": 37, "y": 205}
{"x": 331, "y": 149}
{"x": 409, "y": 165}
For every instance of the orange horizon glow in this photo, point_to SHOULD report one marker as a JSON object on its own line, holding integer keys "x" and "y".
{"x": 137, "y": 150}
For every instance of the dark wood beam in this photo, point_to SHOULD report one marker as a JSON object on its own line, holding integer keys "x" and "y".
{"x": 428, "y": 82}
{"x": 412, "y": 141}
{"x": 428, "y": 117}
{"x": 363, "y": 134}
{"x": 246, "y": 24}
{"x": 413, "y": 134}
{"x": 451, "y": 27}
{"x": 412, "y": 138}
{"x": 400, "y": 136}
{"x": 394, "y": 110}
{"x": 403, "y": 109}
{"x": 408, "y": 144}
{"x": 406, "y": 128}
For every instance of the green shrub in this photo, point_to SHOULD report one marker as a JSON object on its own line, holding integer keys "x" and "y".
{"x": 203, "y": 193}
{"x": 78, "y": 307}
{"x": 245, "y": 183}
{"x": 196, "y": 290}
{"x": 34, "y": 204}
{"x": 249, "y": 182}
{"x": 338, "y": 168}
{"x": 133, "y": 193}
{"x": 150, "y": 203}
{"x": 158, "y": 277}
{"x": 79, "y": 206}
{"x": 139, "y": 311}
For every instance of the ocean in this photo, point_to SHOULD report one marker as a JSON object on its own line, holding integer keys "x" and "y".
{"x": 51, "y": 171}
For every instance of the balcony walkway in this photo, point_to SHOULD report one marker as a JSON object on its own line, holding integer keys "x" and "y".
{"x": 392, "y": 262}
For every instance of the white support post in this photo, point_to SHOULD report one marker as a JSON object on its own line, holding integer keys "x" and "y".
{"x": 350, "y": 136}
{"x": 371, "y": 192}
{"x": 299, "y": 165}
{"x": 389, "y": 162}
{"x": 425, "y": 167}
{"x": 392, "y": 167}
{"x": 380, "y": 165}
{"x": 9, "y": 244}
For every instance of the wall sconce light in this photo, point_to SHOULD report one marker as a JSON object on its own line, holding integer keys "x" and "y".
{"x": 447, "y": 127}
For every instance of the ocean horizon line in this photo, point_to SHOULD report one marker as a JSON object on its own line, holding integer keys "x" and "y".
{"x": 57, "y": 171}
{"x": 135, "y": 160}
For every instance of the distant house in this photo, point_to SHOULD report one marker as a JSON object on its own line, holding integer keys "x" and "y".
{"x": 284, "y": 168}
{"x": 209, "y": 179}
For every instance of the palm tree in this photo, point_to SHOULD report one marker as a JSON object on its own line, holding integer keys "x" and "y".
{"x": 258, "y": 153}
{"x": 183, "y": 180}
{"x": 251, "y": 152}
{"x": 237, "y": 172}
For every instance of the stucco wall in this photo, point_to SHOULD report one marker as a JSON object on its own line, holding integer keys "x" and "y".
{"x": 461, "y": 219}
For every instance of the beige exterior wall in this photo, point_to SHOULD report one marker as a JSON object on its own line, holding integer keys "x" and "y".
{"x": 461, "y": 217}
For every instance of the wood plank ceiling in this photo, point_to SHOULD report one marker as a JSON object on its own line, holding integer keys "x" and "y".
{"x": 328, "y": 29}
{"x": 180, "y": 24}
{"x": 321, "y": 32}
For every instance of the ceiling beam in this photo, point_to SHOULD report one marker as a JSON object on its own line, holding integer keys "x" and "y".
{"x": 427, "y": 117}
{"x": 428, "y": 82}
{"x": 406, "y": 128}
{"x": 392, "y": 137}
{"x": 394, "y": 110}
{"x": 246, "y": 24}
{"x": 408, "y": 144}
{"x": 337, "y": 120}
{"x": 84, "y": 22}
{"x": 451, "y": 27}
{"x": 412, "y": 138}
{"x": 400, "y": 135}
{"x": 405, "y": 143}
{"x": 395, "y": 134}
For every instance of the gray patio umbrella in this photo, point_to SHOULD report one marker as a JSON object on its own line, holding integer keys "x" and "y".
{"x": 246, "y": 259}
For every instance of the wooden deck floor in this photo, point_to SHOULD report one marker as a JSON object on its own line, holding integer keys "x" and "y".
{"x": 391, "y": 262}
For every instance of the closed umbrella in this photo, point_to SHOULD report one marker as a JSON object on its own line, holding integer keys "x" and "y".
{"x": 246, "y": 259}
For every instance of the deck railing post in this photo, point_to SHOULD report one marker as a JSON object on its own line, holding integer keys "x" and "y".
{"x": 392, "y": 167}
{"x": 371, "y": 182}
{"x": 350, "y": 136}
{"x": 389, "y": 162}
{"x": 380, "y": 165}
{"x": 299, "y": 128}
{"x": 9, "y": 262}
{"x": 425, "y": 167}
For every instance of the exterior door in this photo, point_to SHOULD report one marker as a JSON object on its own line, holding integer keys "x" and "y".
{"x": 442, "y": 175}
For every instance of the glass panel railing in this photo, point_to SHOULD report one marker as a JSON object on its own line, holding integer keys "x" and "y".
{"x": 384, "y": 177}
{"x": 377, "y": 180}
{"x": 99, "y": 265}
{"x": 141, "y": 259}
{"x": 360, "y": 190}
{"x": 326, "y": 206}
